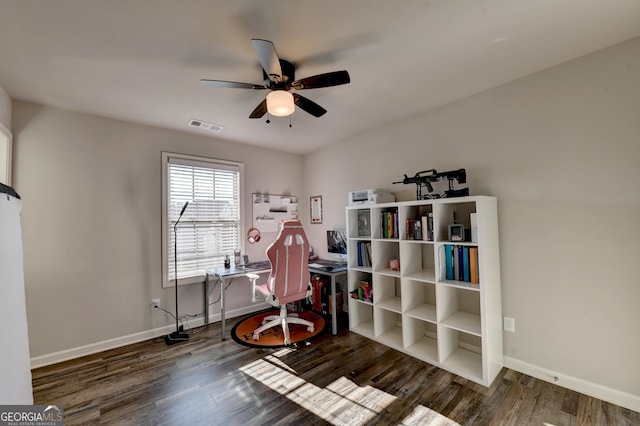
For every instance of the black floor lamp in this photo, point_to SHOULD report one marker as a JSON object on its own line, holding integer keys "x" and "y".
{"x": 178, "y": 335}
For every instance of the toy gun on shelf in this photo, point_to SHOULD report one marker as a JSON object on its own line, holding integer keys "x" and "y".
{"x": 423, "y": 179}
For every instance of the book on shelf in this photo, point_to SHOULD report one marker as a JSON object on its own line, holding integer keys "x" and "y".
{"x": 389, "y": 221}
{"x": 384, "y": 220}
{"x": 473, "y": 265}
{"x": 393, "y": 232}
{"x": 426, "y": 224}
{"x": 474, "y": 227}
{"x": 364, "y": 221}
{"x": 417, "y": 229}
{"x": 466, "y": 266}
{"x": 390, "y": 224}
{"x": 409, "y": 226}
{"x": 425, "y": 228}
{"x": 364, "y": 253}
{"x": 442, "y": 264}
{"x": 366, "y": 261}
{"x": 449, "y": 255}
{"x": 459, "y": 263}
{"x": 414, "y": 229}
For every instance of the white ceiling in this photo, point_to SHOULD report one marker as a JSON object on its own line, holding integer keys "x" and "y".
{"x": 142, "y": 60}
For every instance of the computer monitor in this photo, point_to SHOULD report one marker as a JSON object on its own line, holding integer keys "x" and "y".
{"x": 337, "y": 244}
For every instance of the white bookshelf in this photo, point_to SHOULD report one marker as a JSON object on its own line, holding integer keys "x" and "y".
{"x": 451, "y": 323}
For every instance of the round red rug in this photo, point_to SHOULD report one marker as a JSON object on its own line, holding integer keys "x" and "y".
{"x": 242, "y": 332}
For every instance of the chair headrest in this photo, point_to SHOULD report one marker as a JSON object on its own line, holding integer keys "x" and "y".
{"x": 291, "y": 224}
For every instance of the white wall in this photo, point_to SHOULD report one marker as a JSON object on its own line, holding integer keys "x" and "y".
{"x": 560, "y": 150}
{"x": 91, "y": 188}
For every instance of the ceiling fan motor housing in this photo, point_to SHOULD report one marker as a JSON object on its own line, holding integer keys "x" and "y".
{"x": 288, "y": 76}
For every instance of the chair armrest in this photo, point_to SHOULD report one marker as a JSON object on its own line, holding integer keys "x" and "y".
{"x": 253, "y": 278}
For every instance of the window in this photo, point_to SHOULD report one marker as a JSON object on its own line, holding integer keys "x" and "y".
{"x": 209, "y": 229}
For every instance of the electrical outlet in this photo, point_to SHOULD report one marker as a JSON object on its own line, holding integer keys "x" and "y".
{"x": 155, "y": 303}
{"x": 509, "y": 324}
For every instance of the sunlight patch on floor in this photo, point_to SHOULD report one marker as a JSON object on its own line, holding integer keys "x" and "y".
{"x": 422, "y": 415}
{"x": 324, "y": 403}
{"x": 342, "y": 402}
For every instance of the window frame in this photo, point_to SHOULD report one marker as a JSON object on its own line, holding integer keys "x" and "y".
{"x": 166, "y": 238}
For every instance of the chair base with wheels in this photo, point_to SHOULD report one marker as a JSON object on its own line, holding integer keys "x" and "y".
{"x": 283, "y": 319}
{"x": 288, "y": 281}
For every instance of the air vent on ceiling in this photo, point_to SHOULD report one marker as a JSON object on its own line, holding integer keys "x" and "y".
{"x": 204, "y": 125}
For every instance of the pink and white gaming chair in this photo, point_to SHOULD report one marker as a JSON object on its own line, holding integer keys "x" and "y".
{"x": 288, "y": 280}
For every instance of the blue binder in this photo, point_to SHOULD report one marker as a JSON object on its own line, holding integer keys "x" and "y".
{"x": 467, "y": 261}
{"x": 461, "y": 263}
{"x": 448, "y": 252}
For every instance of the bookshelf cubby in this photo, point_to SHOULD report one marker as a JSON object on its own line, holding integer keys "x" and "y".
{"x": 445, "y": 320}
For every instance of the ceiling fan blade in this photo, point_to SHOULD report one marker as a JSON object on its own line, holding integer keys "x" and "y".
{"x": 268, "y": 57}
{"x": 260, "y": 110}
{"x": 329, "y": 79}
{"x": 308, "y": 105}
{"x": 231, "y": 84}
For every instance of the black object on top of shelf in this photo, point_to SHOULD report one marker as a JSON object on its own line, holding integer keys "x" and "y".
{"x": 422, "y": 179}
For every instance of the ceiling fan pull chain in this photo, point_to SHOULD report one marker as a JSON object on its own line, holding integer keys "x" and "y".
{"x": 268, "y": 120}
{"x": 290, "y": 121}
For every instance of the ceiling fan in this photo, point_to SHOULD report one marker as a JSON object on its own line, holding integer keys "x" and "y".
{"x": 279, "y": 79}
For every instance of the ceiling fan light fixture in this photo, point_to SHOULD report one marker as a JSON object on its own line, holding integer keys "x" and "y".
{"x": 280, "y": 103}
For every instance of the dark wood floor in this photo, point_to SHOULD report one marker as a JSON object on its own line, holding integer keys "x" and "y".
{"x": 344, "y": 379}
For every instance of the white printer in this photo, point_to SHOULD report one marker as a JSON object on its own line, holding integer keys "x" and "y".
{"x": 370, "y": 196}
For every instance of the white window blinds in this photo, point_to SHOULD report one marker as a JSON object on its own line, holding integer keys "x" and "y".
{"x": 210, "y": 226}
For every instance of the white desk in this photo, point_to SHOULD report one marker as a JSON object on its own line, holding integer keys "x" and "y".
{"x": 226, "y": 276}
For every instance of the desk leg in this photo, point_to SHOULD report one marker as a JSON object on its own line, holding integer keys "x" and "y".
{"x": 206, "y": 300}
{"x": 334, "y": 308}
{"x": 222, "y": 286}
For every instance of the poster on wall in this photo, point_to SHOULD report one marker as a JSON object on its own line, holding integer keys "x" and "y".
{"x": 316, "y": 209}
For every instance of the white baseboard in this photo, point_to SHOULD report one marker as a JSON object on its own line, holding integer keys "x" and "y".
{"x": 623, "y": 399}
{"x": 67, "y": 354}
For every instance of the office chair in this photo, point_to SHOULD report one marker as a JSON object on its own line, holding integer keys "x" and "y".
{"x": 288, "y": 280}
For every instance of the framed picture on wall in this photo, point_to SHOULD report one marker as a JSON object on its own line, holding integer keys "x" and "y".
{"x": 315, "y": 208}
